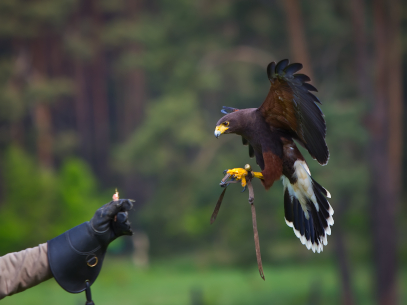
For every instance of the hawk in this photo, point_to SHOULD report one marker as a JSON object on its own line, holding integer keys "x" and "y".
{"x": 290, "y": 112}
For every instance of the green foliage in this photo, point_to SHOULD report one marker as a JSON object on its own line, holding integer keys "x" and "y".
{"x": 40, "y": 204}
{"x": 174, "y": 127}
{"x": 78, "y": 193}
{"x": 48, "y": 90}
{"x": 25, "y": 19}
{"x": 29, "y": 202}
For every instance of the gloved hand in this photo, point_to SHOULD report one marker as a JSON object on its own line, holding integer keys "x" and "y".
{"x": 111, "y": 221}
{"x": 76, "y": 256}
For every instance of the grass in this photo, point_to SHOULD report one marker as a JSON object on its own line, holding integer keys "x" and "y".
{"x": 181, "y": 281}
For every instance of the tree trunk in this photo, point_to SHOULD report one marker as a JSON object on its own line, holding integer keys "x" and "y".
{"x": 341, "y": 253}
{"x": 385, "y": 127}
{"x": 384, "y": 193}
{"x": 82, "y": 110}
{"x": 395, "y": 96}
{"x": 360, "y": 39}
{"x": 82, "y": 106}
{"x": 297, "y": 36}
{"x": 42, "y": 118}
{"x": 134, "y": 102}
{"x": 99, "y": 95}
{"x": 42, "y": 113}
{"x": 21, "y": 73}
{"x": 135, "y": 84}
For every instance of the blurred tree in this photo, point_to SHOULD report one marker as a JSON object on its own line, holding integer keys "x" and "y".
{"x": 99, "y": 87}
{"x": 295, "y": 26}
{"x": 385, "y": 150}
{"x": 134, "y": 88}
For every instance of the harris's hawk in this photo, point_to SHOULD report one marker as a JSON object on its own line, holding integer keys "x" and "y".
{"x": 290, "y": 112}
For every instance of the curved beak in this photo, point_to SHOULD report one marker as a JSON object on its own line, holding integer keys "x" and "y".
{"x": 219, "y": 130}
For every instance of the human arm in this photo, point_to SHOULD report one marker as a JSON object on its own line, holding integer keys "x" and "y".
{"x": 22, "y": 270}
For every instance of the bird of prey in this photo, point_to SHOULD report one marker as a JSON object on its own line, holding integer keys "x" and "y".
{"x": 289, "y": 112}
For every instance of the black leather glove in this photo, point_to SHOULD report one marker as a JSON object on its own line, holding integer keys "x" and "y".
{"x": 111, "y": 221}
{"x": 76, "y": 256}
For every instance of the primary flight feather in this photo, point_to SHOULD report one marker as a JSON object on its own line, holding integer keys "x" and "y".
{"x": 289, "y": 112}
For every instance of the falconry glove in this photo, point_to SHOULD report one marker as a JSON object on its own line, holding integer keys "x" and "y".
{"x": 76, "y": 256}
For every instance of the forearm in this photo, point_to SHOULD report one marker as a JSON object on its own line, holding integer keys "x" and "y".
{"x": 22, "y": 270}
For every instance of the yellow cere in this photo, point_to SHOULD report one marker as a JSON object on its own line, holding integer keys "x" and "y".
{"x": 222, "y": 128}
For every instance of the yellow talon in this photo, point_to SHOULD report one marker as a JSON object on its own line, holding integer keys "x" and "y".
{"x": 238, "y": 172}
{"x": 244, "y": 181}
{"x": 257, "y": 175}
{"x": 241, "y": 173}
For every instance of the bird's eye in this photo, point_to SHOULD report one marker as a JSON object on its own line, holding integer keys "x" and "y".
{"x": 225, "y": 123}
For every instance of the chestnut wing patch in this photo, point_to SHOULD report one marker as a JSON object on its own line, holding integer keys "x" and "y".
{"x": 291, "y": 107}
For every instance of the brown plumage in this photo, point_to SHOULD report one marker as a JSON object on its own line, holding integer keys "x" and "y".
{"x": 288, "y": 113}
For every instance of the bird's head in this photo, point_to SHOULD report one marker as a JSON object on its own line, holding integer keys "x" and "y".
{"x": 228, "y": 124}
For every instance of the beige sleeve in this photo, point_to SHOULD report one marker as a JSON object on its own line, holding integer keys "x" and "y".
{"x": 22, "y": 270}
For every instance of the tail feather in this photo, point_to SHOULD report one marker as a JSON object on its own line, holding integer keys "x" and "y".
{"x": 327, "y": 209}
{"x": 321, "y": 188}
{"x": 307, "y": 230}
{"x": 310, "y": 220}
{"x": 312, "y": 231}
{"x": 319, "y": 228}
{"x": 288, "y": 211}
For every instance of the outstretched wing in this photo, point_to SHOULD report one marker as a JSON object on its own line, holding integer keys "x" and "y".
{"x": 290, "y": 106}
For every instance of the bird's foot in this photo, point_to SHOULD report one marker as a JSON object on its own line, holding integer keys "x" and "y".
{"x": 257, "y": 175}
{"x": 238, "y": 174}
{"x": 252, "y": 174}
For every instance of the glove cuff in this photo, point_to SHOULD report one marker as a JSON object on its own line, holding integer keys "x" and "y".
{"x": 76, "y": 257}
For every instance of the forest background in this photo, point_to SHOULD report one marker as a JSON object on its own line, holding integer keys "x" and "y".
{"x": 96, "y": 95}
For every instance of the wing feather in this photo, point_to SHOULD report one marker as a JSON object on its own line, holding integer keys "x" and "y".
{"x": 281, "y": 66}
{"x": 291, "y": 69}
{"x": 310, "y": 87}
{"x": 291, "y": 107}
{"x": 251, "y": 151}
{"x": 302, "y": 78}
{"x": 244, "y": 141}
